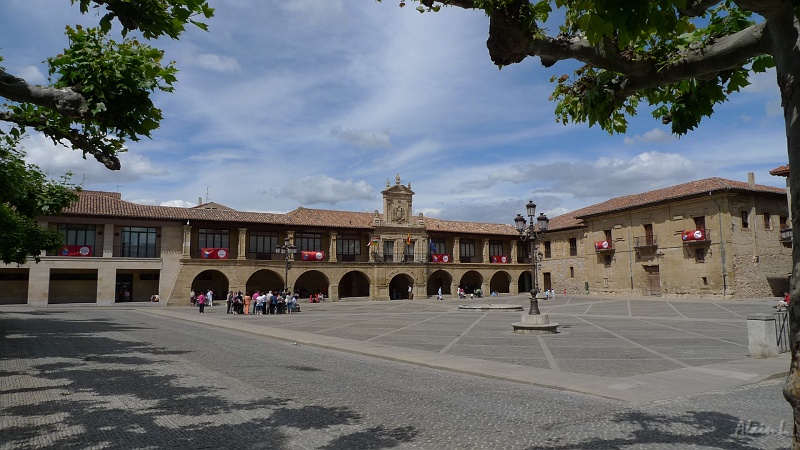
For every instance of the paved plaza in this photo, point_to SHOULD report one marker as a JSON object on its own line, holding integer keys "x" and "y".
{"x": 623, "y": 373}
{"x": 633, "y": 349}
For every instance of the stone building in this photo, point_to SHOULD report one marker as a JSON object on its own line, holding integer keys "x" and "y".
{"x": 711, "y": 237}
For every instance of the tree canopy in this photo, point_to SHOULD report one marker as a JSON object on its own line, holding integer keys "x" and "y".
{"x": 99, "y": 98}
{"x": 677, "y": 58}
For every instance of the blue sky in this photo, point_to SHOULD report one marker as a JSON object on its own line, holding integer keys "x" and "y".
{"x": 317, "y": 104}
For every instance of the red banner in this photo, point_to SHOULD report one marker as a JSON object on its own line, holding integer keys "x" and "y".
{"x": 694, "y": 235}
{"x": 312, "y": 256}
{"x": 440, "y": 258}
{"x": 500, "y": 259}
{"x": 76, "y": 250}
{"x": 602, "y": 245}
{"x": 214, "y": 253}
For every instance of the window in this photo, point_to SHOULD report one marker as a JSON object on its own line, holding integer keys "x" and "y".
{"x": 496, "y": 248}
{"x": 785, "y": 222}
{"x": 547, "y": 251}
{"x": 213, "y": 238}
{"x": 607, "y": 259}
{"x": 138, "y": 242}
{"x": 409, "y": 257}
{"x": 388, "y": 251}
{"x": 745, "y": 221}
{"x": 308, "y": 242}
{"x": 573, "y": 246}
{"x": 77, "y": 234}
{"x": 149, "y": 276}
{"x": 571, "y": 272}
{"x": 700, "y": 255}
{"x": 438, "y": 246}
{"x": 348, "y": 244}
{"x": 467, "y": 247}
{"x": 767, "y": 220}
{"x": 648, "y": 234}
{"x": 608, "y": 235}
{"x": 263, "y": 243}
{"x": 699, "y": 222}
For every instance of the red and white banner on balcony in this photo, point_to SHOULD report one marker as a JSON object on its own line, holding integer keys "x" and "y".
{"x": 693, "y": 235}
{"x": 602, "y": 245}
{"x": 312, "y": 256}
{"x": 76, "y": 250}
{"x": 441, "y": 258}
{"x": 500, "y": 259}
{"x": 214, "y": 253}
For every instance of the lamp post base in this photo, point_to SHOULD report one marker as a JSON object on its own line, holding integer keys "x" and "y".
{"x": 534, "y": 311}
{"x": 535, "y": 324}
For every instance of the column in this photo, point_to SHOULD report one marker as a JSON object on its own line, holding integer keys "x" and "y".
{"x": 399, "y": 249}
{"x": 514, "y": 251}
{"x": 456, "y": 250}
{"x": 106, "y": 283}
{"x": 290, "y": 235}
{"x": 332, "y": 247}
{"x": 485, "y": 252}
{"x": 38, "y": 285}
{"x": 187, "y": 240}
{"x": 108, "y": 240}
{"x": 242, "y": 251}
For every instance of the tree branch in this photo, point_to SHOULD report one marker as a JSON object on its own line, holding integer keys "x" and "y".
{"x": 65, "y": 101}
{"x": 728, "y": 52}
{"x": 86, "y": 143}
{"x": 695, "y": 8}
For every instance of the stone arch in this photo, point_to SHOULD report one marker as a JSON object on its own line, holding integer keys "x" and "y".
{"x": 264, "y": 280}
{"x": 212, "y": 280}
{"x": 524, "y": 284}
{"x": 354, "y": 284}
{"x": 311, "y": 282}
{"x": 500, "y": 282}
{"x": 398, "y": 286}
{"x": 470, "y": 281}
{"x": 439, "y": 278}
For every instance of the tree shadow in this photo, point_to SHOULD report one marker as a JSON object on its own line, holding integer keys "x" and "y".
{"x": 88, "y": 390}
{"x": 710, "y": 429}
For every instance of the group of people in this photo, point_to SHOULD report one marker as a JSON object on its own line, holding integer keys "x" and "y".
{"x": 262, "y": 303}
{"x": 200, "y": 300}
{"x": 550, "y": 294}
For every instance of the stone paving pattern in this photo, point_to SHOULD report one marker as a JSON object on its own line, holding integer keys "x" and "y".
{"x": 154, "y": 377}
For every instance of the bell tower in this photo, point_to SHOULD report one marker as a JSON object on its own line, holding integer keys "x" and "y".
{"x": 397, "y": 205}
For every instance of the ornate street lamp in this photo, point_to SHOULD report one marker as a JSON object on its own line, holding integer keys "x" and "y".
{"x": 289, "y": 251}
{"x": 532, "y": 233}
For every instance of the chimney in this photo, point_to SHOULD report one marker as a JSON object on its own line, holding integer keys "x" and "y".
{"x": 751, "y": 180}
{"x": 199, "y": 201}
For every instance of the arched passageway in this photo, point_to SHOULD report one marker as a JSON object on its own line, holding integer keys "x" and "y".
{"x": 354, "y": 284}
{"x": 311, "y": 283}
{"x": 264, "y": 280}
{"x": 500, "y": 282}
{"x": 210, "y": 280}
{"x": 524, "y": 284}
{"x": 398, "y": 287}
{"x": 470, "y": 281}
{"x": 437, "y": 279}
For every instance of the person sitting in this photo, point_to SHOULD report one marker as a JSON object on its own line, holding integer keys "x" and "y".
{"x": 783, "y": 303}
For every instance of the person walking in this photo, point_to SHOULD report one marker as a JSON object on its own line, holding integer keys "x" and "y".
{"x": 410, "y": 293}
{"x": 193, "y": 298}
{"x": 201, "y": 302}
{"x": 439, "y": 293}
{"x": 210, "y": 298}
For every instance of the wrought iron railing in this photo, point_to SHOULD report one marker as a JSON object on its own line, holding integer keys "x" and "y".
{"x": 782, "y": 331}
{"x": 137, "y": 251}
{"x": 645, "y": 241}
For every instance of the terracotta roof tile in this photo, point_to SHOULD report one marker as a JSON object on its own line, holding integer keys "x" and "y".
{"x": 782, "y": 171}
{"x": 330, "y": 218}
{"x": 448, "y": 226}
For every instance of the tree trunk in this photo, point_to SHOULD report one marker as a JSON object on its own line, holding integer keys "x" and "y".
{"x": 785, "y": 41}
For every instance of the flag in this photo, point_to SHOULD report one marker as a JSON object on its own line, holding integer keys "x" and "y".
{"x": 408, "y": 239}
{"x": 432, "y": 246}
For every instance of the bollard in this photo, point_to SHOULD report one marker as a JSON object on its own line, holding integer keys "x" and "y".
{"x": 761, "y": 339}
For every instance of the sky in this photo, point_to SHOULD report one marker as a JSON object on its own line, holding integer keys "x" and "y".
{"x": 318, "y": 103}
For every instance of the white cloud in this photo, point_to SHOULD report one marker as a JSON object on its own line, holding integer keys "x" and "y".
{"x": 654, "y": 135}
{"x": 314, "y": 190}
{"x": 178, "y": 203}
{"x": 32, "y": 75}
{"x": 214, "y": 62}
{"x": 219, "y": 156}
{"x": 363, "y": 138}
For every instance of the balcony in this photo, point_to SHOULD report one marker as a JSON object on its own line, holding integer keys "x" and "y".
{"x": 696, "y": 237}
{"x": 603, "y": 247}
{"x": 650, "y": 241}
{"x": 786, "y": 236}
{"x": 137, "y": 251}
